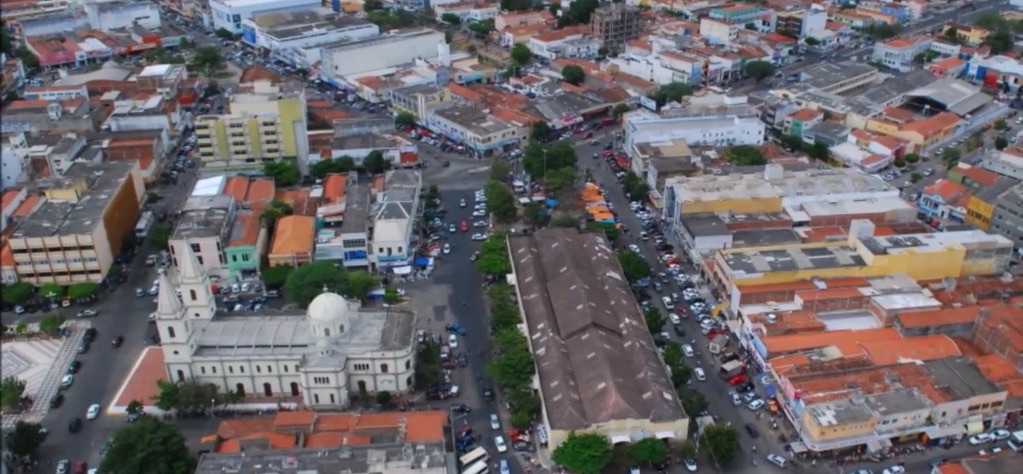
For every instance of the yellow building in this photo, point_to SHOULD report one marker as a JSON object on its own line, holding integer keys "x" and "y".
{"x": 921, "y": 256}
{"x": 972, "y": 35}
{"x": 266, "y": 124}
{"x": 839, "y": 419}
{"x": 418, "y": 100}
{"x": 980, "y": 208}
{"x": 919, "y": 133}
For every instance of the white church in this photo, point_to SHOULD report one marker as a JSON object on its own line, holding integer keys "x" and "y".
{"x": 334, "y": 349}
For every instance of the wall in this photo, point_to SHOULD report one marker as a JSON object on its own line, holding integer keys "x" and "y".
{"x": 375, "y": 56}
{"x": 736, "y": 206}
{"x": 209, "y": 252}
{"x": 123, "y": 213}
{"x": 827, "y": 433}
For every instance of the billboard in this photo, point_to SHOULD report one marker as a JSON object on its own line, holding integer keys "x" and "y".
{"x": 648, "y": 103}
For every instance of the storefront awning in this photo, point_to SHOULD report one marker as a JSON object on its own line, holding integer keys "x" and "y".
{"x": 403, "y": 270}
{"x": 620, "y": 438}
{"x": 938, "y": 432}
{"x": 974, "y": 427}
{"x": 665, "y": 435}
{"x": 797, "y": 447}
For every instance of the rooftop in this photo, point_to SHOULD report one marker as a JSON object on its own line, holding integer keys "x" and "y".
{"x": 204, "y": 216}
{"x": 813, "y": 182}
{"x": 56, "y": 217}
{"x": 430, "y": 458}
{"x": 960, "y": 377}
{"x": 826, "y": 74}
{"x": 839, "y": 412}
{"x": 412, "y": 34}
{"x": 596, "y": 360}
{"x": 293, "y": 235}
{"x": 957, "y": 96}
{"x": 933, "y": 242}
{"x": 357, "y": 205}
{"x": 805, "y": 257}
{"x": 474, "y": 120}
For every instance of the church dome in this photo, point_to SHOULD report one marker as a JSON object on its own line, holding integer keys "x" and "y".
{"x": 328, "y": 308}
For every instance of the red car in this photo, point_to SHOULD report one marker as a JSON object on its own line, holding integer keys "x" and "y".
{"x": 464, "y": 226}
{"x": 736, "y": 380}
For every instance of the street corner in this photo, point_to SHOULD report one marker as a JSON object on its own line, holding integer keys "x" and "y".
{"x": 141, "y": 383}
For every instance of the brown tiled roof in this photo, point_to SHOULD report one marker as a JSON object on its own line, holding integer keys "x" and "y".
{"x": 596, "y": 360}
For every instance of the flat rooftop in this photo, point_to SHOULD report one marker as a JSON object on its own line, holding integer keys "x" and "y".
{"x": 77, "y": 218}
{"x": 428, "y": 458}
{"x": 827, "y": 74}
{"x": 750, "y": 262}
{"x": 204, "y": 216}
{"x": 813, "y": 182}
{"x": 899, "y": 401}
{"x": 961, "y": 377}
{"x": 474, "y": 120}
{"x": 838, "y": 412}
{"x": 844, "y": 207}
{"x": 357, "y": 202}
{"x": 414, "y": 34}
{"x": 934, "y": 242}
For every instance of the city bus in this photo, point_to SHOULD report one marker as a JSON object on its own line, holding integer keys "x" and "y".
{"x": 145, "y": 223}
{"x": 479, "y": 468}
{"x": 477, "y": 454}
{"x": 1016, "y": 441}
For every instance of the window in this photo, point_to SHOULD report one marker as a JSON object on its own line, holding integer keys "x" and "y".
{"x": 170, "y": 333}
{"x": 195, "y": 248}
{"x": 332, "y": 398}
{"x": 408, "y": 364}
{"x": 341, "y": 329}
{"x": 383, "y": 368}
{"x": 199, "y": 258}
{"x": 192, "y": 294}
{"x": 230, "y": 369}
{"x": 269, "y": 369}
{"x": 214, "y": 369}
{"x": 362, "y": 367}
{"x": 326, "y": 332}
{"x": 241, "y": 368}
{"x": 321, "y": 380}
{"x": 202, "y": 369}
{"x": 285, "y": 369}
{"x": 245, "y": 257}
{"x": 259, "y": 369}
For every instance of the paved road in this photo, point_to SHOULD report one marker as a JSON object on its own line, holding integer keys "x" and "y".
{"x": 104, "y": 368}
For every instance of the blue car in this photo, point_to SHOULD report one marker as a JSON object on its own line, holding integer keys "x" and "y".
{"x": 504, "y": 467}
{"x": 456, "y": 328}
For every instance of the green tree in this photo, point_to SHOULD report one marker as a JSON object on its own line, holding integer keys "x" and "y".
{"x": 899, "y": 163}
{"x": 359, "y": 283}
{"x": 25, "y": 439}
{"x": 745, "y": 155}
{"x": 951, "y": 34}
{"x": 538, "y": 160}
{"x": 587, "y": 453}
{"x": 494, "y": 256}
{"x": 623, "y": 456}
{"x": 384, "y": 398}
{"x": 693, "y": 402}
{"x": 80, "y": 291}
{"x": 1001, "y": 124}
{"x": 651, "y": 450}
{"x": 915, "y": 177}
{"x": 482, "y": 28}
{"x": 169, "y": 396}
{"x": 134, "y": 408}
{"x": 671, "y": 92}
{"x": 676, "y": 362}
{"x": 911, "y": 158}
{"x": 819, "y": 151}
{"x": 224, "y": 34}
{"x": 540, "y": 132}
{"x": 308, "y": 281}
{"x": 573, "y": 74}
{"x": 16, "y": 293}
{"x": 373, "y": 5}
{"x": 500, "y": 170}
{"x": 512, "y": 369}
{"x": 634, "y": 266}
{"x": 721, "y": 442}
{"x": 635, "y": 187}
{"x": 687, "y": 450}
{"x": 521, "y": 420}
{"x": 621, "y": 109}
{"x": 655, "y": 321}
{"x": 375, "y": 163}
{"x": 6, "y": 39}
{"x": 521, "y": 54}
{"x": 51, "y": 323}
{"x": 451, "y": 19}
{"x": 533, "y": 214}
{"x": 500, "y": 201}
{"x": 406, "y": 119}
{"x": 52, "y": 290}
{"x": 579, "y": 12}
{"x": 759, "y": 70}
{"x": 284, "y": 173}
{"x": 517, "y": 5}
{"x": 610, "y": 230}
{"x": 428, "y": 367}
{"x": 11, "y": 390}
{"x": 524, "y": 400}
{"x": 951, "y": 155}
{"x": 811, "y": 41}
{"x": 28, "y": 58}
{"x": 390, "y": 295}
{"x": 275, "y": 210}
{"x": 882, "y": 31}
{"x": 1001, "y": 143}
{"x": 559, "y": 180}
{"x": 149, "y": 446}
{"x": 208, "y": 61}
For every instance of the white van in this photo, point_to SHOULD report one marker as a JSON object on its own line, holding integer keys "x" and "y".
{"x": 778, "y": 460}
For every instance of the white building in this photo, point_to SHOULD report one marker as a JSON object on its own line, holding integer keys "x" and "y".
{"x": 13, "y": 159}
{"x": 334, "y": 349}
{"x": 286, "y": 33}
{"x": 467, "y": 11}
{"x": 394, "y": 220}
{"x": 229, "y": 14}
{"x": 719, "y": 32}
{"x": 899, "y": 53}
{"x": 380, "y": 53}
{"x": 106, "y": 16}
{"x": 734, "y": 123}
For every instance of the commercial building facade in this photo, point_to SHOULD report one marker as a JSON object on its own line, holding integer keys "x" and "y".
{"x": 374, "y": 54}
{"x": 229, "y": 14}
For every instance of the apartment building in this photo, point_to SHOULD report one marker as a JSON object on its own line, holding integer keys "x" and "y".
{"x": 802, "y": 22}
{"x": 77, "y": 232}
{"x": 204, "y": 227}
{"x": 899, "y": 54}
{"x": 1008, "y": 216}
{"x": 614, "y": 25}
{"x": 266, "y": 124}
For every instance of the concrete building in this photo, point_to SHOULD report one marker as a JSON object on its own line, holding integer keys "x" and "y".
{"x": 1008, "y": 216}
{"x": 323, "y": 356}
{"x": 204, "y": 229}
{"x": 419, "y": 100}
{"x": 732, "y": 122}
{"x": 77, "y": 232}
{"x": 293, "y": 36}
{"x": 265, "y": 124}
{"x": 898, "y": 54}
{"x": 361, "y": 57}
{"x": 802, "y": 21}
{"x": 615, "y": 24}
{"x": 837, "y": 78}
{"x": 475, "y": 128}
{"x": 394, "y": 221}
{"x": 598, "y": 370}
{"x": 229, "y": 14}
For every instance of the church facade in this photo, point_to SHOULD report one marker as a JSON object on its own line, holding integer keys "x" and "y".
{"x": 334, "y": 350}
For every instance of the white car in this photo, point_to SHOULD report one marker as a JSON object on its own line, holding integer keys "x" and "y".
{"x": 690, "y": 465}
{"x": 634, "y": 248}
{"x": 481, "y": 206}
{"x": 981, "y": 439}
{"x": 479, "y": 237}
{"x": 93, "y": 412}
{"x": 453, "y": 341}
{"x": 63, "y": 466}
{"x": 479, "y": 213}
{"x": 67, "y": 381}
{"x": 461, "y": 203}
{"x": 777, "y": 460}
{"x": 154, "y": 290}
{"x": 700, "y": 375}
{"x": 479, "y": 224}
{"x": 499, "y": 444}
{"x": 894, "y": 470}
{"x": 736, "y": 399}
{"x": 495, "y": 422}
{"x": 1001, "y": 434}
{"x": 994, "y": 450}
{"x": 756, "y": 404}
{"x": 674, "y": 318}
{"x": 667, "y": 302}
{"x": 688, "y": 350}
{"x": 447, "y": 249}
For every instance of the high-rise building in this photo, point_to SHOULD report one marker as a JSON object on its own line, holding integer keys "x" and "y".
{"x": 615, "y": 25}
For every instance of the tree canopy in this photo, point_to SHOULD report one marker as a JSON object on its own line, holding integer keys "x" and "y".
{"x": 159, "y": 235}
{"x": 500, "y": 200}
{"x": 650, "y": 450}
{"x": 482, "y": 28}
{"x": 635, "y": 187}
{"x": 521, "y": 54}
{"x": 721, "y": 442}
{"x": 586, "y": 453}
{"x": 149, "y": 446}
{"x": 493, "y": 259}
{"x": 16, "y": 293}
{"x": 635, "y": 266}
{"x": 375, "y": 163}
{"x": 82, "y": 290}
{"x": 671, "y": 92}
{"x": 308, "y": 281}
{"x": 759, "y": 70}
{"x": 573, "y": 74}
{"x": 654, "y": 320}
{"x": 745, "y": 155}
{"x": 208, "y": 61}
{"x": 190, "y": 396}
{"x": 284, "y": 173}
{"x": 405, "y": 118}
{"x": 11, "y": 390}
{"x": 322, "y": 168}
{"x": 25, "y": 439}
{"x": 558, "y": 155}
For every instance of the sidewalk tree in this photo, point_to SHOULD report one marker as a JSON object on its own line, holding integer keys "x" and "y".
{"x": 275, "y": 277}
{"x": 721, "y": 442}
{"x": 634, "y": 266}
{"x": 494, "y": 256}
{"x": 451, "y": 19}
{"x": 308, "y": 281}
{"x": 540, "y": 132}
{"x": 521, "y": 420}
{"x": 587, "y": 453}
{"x": 11, "y": 390}
{"x": 159, "y": 235}
{"x": 1001, "y": 143}
{"x": 693, "y": 402}
{"x": 759, "y": 70}
{"x": 169, "y": 396}
{"x": 25, "y": 439}
{"x": 610, "y": 230}
{"x": 52, "y": 290}
{"x": 671, "y": 92}
{"x": 623, "y": 456}
{"x": 500, "y": 200}
{"x": 51, "y": 323}
{"x": 384, "y": 398}
{"x": 655, "y": 321}
{"x": 559, "y": 180}
{"x": 134, "y": 408}
{"x": 390, "y": 295}
{"x": 635, "y": 187}
{"x": 284, "y": 173}
{"x": 745, "y": 155}
{"x": 405, "y": 119}
{"x": 512, "y": 369}
{"x": 149, "y": 446}
{"x": 559, "y": 155}
{"x": 500, "y": 170}
{"x": 359, "y": 283}
{"x": 533, "y": 214}
{"x": 911, "y": 158}
{"x": 208, "y": 61}
{"x": 375, "y": 163}
{"x": 573, "y": 74}
{"x": 428, "y": 366}
{"x": 1001, "y": 124}
{"x": 80, "y": 291}
{"x": 521, "y": 54}
{"x": 621, "y": 109}
{"x": 17, "y": 293}
{"x": 650, "y": 450}
{"x": 951, "y": 155}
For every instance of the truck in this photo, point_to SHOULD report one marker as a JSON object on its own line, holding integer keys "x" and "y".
{"x": 731, "y": 369}
{"x": 718, "y": 344}
{"x": 1016, "y": 441}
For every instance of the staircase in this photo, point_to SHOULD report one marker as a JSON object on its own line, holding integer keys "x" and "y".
{"x": 51, "y": 383}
